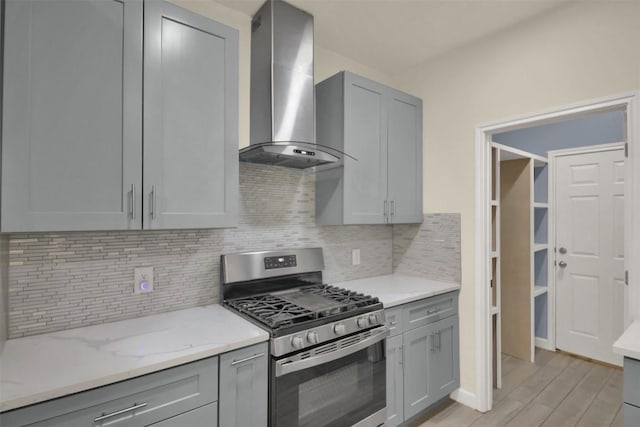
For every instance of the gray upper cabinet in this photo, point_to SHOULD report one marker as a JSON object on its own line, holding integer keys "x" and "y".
{"x": 190, "y": 120}
{"x": 404, "y": 166}
{"x": 72, "y": 140}
{"x": 380, "y": 127}
{"x": 243, "y": 387}
{"x": 72, "y": 118}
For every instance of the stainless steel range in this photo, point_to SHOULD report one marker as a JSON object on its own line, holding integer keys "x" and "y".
{"x": 327, "y": 343}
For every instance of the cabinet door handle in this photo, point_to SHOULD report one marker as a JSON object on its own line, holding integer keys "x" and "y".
{"x": 132, "y": 199}
{"x": 385, "y": 209}
{"x": 246, "y": 359}
{"x": 439, "y": 341}
{"x": 152, "y": 202}
{"x": 393, "y": 207}
{"x": 393, "y": 323}
{"x": 120, "y": 412}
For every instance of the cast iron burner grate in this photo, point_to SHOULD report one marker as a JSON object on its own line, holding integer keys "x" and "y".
{"x": 301, "y": 305}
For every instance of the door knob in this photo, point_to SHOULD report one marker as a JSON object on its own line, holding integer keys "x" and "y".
{"x": 562, "y": 264}
{"x": 562, "y": 250}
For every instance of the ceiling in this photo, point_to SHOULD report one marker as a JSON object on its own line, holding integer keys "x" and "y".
{"x": 393, "y": 35}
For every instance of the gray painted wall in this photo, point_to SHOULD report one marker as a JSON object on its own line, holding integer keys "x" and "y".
{"x": 595, "y": 129}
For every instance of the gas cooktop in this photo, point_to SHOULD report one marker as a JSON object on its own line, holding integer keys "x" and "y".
{"x": 302, "y": 305}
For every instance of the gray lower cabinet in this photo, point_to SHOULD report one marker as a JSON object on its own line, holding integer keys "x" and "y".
{"x": 243, "y": 387}
{"x": 142, "y": 401}
{"x": 631, "y": 392}
{"x": 422, "y": 357}
{"x": 227, "y": 390}
{"x": 381, "y": 128}
{"x": 395, "y": 381}
{"x": 73, "y": 153}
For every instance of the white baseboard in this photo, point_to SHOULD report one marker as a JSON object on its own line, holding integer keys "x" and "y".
{"x": 544, "y": 344}
{"x": 466, "y": 398}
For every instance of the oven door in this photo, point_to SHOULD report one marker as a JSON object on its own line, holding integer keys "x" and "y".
{"x": 340, "y": 384}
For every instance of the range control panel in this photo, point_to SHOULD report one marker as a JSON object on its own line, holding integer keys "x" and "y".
{"x": 280, "y": 262}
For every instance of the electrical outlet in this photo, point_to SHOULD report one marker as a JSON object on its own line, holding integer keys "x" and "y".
{"x": 143, "y": 280}
{"x": 355, "y": 256}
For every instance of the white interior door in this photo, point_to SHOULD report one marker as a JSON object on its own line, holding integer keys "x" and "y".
{"x": 590, "y": 289}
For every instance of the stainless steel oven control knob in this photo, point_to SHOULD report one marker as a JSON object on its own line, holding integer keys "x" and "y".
{"x": 339, "y": 329}
{"x": 362, "y": 322}
{"x": 312, "y": 337}
{"x": 297, "y": 342}
{"x": 373, "y": 319}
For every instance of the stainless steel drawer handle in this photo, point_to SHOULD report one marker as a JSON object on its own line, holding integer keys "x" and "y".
{"x": 393, "y": 323}
{"x": 246, "y": 359}
{"x": 120, "y": 412}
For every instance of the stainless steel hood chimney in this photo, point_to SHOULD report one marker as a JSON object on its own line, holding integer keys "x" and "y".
{"x": 282, "y": 90}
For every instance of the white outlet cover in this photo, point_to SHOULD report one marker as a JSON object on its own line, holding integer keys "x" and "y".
{"x": 143, "y": 280}
{"x": 355, "y": 256}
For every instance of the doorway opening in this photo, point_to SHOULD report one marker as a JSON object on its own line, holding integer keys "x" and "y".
{"x": 525, "y": 174}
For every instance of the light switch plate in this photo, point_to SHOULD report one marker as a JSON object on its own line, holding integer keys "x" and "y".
{"x": 355, "y": 256}
{"x": 143, "y": 280}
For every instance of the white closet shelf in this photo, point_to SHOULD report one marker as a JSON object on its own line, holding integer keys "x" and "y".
{"x": 494, "y": 254}
{"x": 494, "y": 310}
{"x": 537, "y": 247}
{"x": 510, "y": 153}
{"x": 495, "y": 203}
{"x": 539, "y": 290}
{"x": 541, "y": 205}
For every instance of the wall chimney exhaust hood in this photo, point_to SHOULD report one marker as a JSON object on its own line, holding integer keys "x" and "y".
{"x": 282, "y": 90}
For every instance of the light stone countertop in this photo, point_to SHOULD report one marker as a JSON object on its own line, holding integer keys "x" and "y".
{"x": 42, "y": 367}
{"x": 396, "y": 289}
{"x": 628, "y": 345}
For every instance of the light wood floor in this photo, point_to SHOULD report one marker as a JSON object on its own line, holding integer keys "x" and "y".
{"x": 557, "y": 390}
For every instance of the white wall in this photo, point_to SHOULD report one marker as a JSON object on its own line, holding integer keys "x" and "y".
{"x": 583, "y": 51}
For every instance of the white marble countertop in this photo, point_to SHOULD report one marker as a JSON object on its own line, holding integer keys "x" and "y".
{"x": 43, "y": 367}
{"x": 628, "y": 345}
{"x": 396, "y": 289}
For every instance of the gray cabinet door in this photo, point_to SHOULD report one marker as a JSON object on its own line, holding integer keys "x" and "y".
{"x": 243, "y": 387}
{"x": 418, "y": 349}
{"x": 395, "y": 381}
{"x": 404, "y": 189}
{"x": 444, "y": 363}
{"x": 190, "y": 120}
{"x": 365, "y": 133}
{"x": 71, "y": 152}
{"x": 205, "y": 416}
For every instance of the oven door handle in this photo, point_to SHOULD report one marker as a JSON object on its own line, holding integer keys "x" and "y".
{"x": 287, "y": 366}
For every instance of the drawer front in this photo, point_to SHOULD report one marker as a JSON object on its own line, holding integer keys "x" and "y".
{"x": 631, "y": 381}
{"x": 205, "y": 416}
{"x": 630, "y": 415}
{"x": 430, "y": 310}
{"x": 393, "y": 318}
{"x": 138, "y": 402}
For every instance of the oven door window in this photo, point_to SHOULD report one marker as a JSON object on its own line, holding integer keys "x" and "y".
{"x": 339, "y": 393}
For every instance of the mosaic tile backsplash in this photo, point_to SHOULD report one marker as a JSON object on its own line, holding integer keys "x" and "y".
{"x": 430, "y": 249}
{"x": 60, "y": 281}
